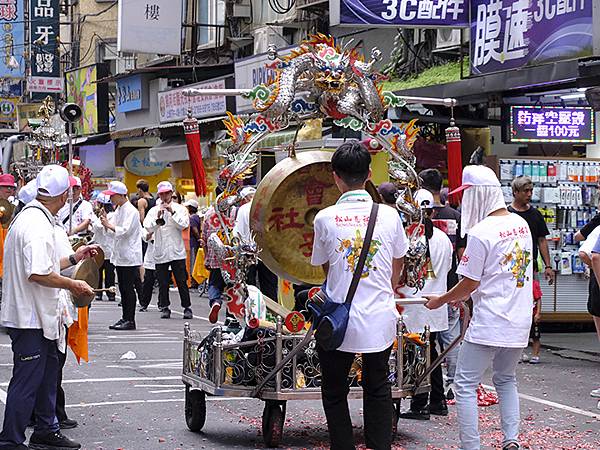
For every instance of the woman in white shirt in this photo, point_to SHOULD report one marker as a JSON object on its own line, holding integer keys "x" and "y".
{"x": 105, "y": 238}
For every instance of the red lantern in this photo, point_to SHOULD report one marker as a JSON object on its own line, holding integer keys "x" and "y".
{"x": 454, "y": 161}
{"x": 192, "y": 139}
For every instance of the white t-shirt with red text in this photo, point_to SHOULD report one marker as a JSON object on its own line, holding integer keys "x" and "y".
{"x": 339, "y": 233}
{"x": 499, "y": 255}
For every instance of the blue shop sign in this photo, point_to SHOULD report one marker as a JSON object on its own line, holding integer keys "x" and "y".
{"x": 130, "y": 94}
{"x": 138, "y": 162}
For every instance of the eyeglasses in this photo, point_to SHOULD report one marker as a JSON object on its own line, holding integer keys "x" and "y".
{"x": 174, "y": 197}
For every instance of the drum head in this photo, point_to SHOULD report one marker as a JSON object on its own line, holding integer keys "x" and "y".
{"x": 85, "y": 270}
{"x": 283, "y": 210}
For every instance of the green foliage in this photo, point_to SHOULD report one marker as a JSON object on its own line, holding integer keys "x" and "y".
{"x": 445, "y": 73}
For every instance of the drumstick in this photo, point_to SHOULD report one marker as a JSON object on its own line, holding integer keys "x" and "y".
{"x": 110, "y": 290}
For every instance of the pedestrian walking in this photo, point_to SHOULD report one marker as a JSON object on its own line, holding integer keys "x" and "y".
{"x": 195, "y": 228}
{"x": 167, "y": 221}
{"x": 522, "y": 189}
{"x": 447, "y": 219}
{"x": 497, "y": 274}
{"x": 105, "y": 238}
{"x": 371, "y": 327}
{"x": 150, "y": 278}
{"x": 416, "y": 317}
{"x": 83, "y": 213}
{"x": 127, "y": 250}
{"x": 31, "y": 287}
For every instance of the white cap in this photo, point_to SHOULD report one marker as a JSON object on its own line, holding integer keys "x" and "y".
{"x": 52, "y": 181}
{"x": 164, "y": 186}
{"x": 477, "y": 176}
{"x": 103, "y": 198}
{"x": 246, "y": 191}
{"x": 28, "y": 192}
{"x": 424, "y": 198}
{"x": 193, "y": 203}
{"x": 77, "y": 181}
{"x": 115, "y": 187}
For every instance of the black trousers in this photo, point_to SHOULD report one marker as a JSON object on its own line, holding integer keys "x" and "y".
{"x": 436, "y": 397}
{"x": 32, "y": 388}
{"x": 267, "y": 280}
{"x": 148, "y": 288}
{"x": 61, "y": 413}
{"x": 377, "y": 398}
{"x": 181, "y": 276}
{"x": 107, "y": 275}
{"x": 128, "y": 299}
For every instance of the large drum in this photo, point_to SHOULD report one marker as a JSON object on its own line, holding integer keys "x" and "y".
{"x": 283, "y": 211}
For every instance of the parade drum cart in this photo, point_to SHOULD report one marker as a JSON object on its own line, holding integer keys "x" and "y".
{"x": 319, "y": 81}
{"x": 214, "y": 367}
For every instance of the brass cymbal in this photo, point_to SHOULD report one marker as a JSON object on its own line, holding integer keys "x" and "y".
{"x": 86, "y": 270}
{"x": 99, "y": 258}
{"x": 6, "y": 212}
{"x": 283, "y": 210}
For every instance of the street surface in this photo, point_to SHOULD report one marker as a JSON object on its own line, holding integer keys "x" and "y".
{"x": 138, "y": 403}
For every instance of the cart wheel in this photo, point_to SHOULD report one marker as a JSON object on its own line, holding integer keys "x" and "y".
{"x": 395, "y": 417}
{"x": 272, "y": 423}
{"x": 195, "y": 409}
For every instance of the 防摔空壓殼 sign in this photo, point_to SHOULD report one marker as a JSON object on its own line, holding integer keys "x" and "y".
{"x": 551, "y": 124}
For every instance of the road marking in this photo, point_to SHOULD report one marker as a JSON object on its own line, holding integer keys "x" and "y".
{"x": 137, "y": 342}
{"x": 100, "y": 380}
{"x": 164, "y": 391}
{"x": 157, "y": 385}
{"x": 3, "y": 396}
{"x": 553, "y": 404}
{"x": 171, "y": 365}
{"x": 166, "y": 400}
{"x": 159, "y": 360}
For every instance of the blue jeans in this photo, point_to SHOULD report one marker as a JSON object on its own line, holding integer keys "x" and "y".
{"x": 32, "y": 388}
{"x": 473, "y": 361}
{"x": 216, "y": 286}
{"x": 446, "y": 337}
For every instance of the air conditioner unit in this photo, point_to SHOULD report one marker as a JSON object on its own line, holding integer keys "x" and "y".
{"x": 450, "y": 39}
{"x": 265, "y": 36}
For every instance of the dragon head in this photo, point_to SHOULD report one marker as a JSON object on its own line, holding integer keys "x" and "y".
{"x": 330, "y": 69}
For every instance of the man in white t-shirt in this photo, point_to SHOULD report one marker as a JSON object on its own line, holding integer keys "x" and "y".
{"x": 127, "y": 250}
{"x": 497, "y": 273}
{"x": 83, "y": 212}
{"x": 30, "y": 312}
{"x": 416, "y": 317}
{"x": 373, "y": 316}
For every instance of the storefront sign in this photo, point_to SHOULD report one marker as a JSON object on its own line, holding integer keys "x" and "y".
{"x": 131, "y": 94}
{"x": 8, "y": 109}
{"x": 150, "y": 26}
{"x": 551, "y": 124}
{"x": 26, "y": 111}
{"x": 45, "y": 84}
{"x": 138, "y": 162}
{"x": 12, "y": 35}
{"x": 507, "y": 34}
{"x": 252, "y": 71}
{"x": 44, "y": 33}
{"x": 92, "y": 97}
{"x": 404, "y": 13}
{"x": 173, "y": 105}
{"x": 11, "y": 87}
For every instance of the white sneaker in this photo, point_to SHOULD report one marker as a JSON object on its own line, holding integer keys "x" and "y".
{"x": 525, "y": 357}
{"x": 534, "y": 360}
{"x": 595, "y": 393}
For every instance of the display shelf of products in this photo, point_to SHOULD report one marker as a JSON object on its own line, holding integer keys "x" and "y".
{"x": 566, "y": 193}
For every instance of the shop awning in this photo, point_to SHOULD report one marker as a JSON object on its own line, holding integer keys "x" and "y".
{"x": 175, "y": 149}
{"x": 268, "y": 143}
{"x": 170, "y": 150}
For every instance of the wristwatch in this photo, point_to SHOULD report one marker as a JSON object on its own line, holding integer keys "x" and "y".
{"x": 72, "y": 259}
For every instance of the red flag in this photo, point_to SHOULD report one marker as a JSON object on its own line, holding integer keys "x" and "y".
{"x": 454, "y": 161}
{"x": 192, "y": 139}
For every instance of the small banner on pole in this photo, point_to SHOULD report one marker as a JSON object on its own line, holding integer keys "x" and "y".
{"x": 454, "y": 161}
{"x": 192, "y": 139}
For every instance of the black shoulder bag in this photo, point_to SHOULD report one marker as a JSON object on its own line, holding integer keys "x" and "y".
{"x": 331, "y": 318}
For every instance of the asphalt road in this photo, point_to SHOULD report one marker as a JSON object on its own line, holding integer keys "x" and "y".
{"x": 138, "y": 403}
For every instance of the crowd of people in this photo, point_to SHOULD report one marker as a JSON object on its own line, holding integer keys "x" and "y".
{"x": 486, "y": 254}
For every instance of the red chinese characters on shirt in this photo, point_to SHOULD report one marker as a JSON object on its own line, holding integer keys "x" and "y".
{"x": 515, "y": 233}
{"x": 351, "y": 221}
{"x": 281, "y": 220}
